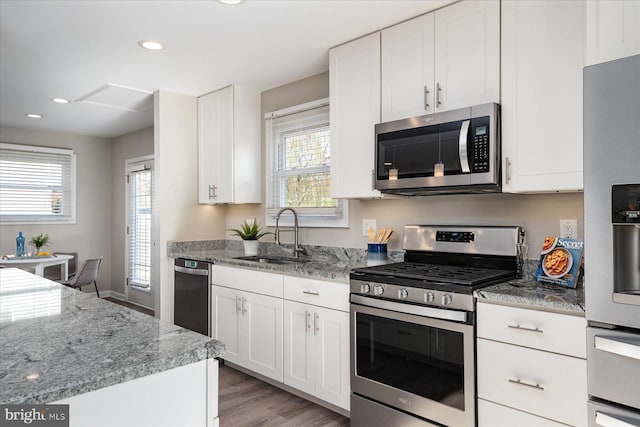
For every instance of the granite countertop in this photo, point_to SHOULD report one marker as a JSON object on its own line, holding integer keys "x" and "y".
{"x": 531, "y": 294}
{"x": 324, "y": 262}
{"x": 56, "y": 342}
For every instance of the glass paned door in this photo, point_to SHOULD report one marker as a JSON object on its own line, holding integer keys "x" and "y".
{"x": 139, "y": 228}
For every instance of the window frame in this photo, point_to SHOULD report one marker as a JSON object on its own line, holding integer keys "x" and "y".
{"x": 307, "y": 217}
{"x": 45, "y": 219}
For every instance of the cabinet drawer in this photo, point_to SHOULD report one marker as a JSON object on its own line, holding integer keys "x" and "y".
{"x": 317, "y": 292}
{"x": 559, "y": 333}
{"x": 546, "y": 384}
{"x": 247, "y": 280}
{"x": 493, "y": 415}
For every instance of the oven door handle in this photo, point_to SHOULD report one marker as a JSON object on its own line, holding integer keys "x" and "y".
{"x": 606, "y": 420}
{"x": 617, "y": 346}
{"x": 419, "y": 310}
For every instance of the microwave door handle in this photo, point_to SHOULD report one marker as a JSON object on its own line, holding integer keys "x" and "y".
{"x": 462, "y": 146}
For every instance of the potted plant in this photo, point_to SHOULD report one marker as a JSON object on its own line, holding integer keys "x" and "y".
{"x": 250, "y": 233}
{"x": 39, "y": 241}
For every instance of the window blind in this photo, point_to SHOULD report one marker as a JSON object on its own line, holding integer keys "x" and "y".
{"x": 139, "y": 229}
{"x": 37, "y": 184}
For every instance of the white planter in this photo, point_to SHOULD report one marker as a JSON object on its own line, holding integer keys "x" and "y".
{"x": 250, "y": 247}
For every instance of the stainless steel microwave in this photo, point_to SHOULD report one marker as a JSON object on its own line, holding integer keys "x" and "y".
{"x": 450, "y": 152}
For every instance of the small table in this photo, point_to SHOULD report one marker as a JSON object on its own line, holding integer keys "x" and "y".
{"x": 39, "y": 263}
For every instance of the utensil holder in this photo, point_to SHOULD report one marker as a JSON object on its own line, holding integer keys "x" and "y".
{"x": 376, "y": 254}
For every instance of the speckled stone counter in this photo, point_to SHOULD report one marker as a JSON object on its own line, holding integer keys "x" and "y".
{"x": 329, "y": 263}
{"x": 531, "y": 294}
{"x": 56, "y": 342}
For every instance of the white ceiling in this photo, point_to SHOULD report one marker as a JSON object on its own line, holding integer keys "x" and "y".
{"x": 69, "y": 49}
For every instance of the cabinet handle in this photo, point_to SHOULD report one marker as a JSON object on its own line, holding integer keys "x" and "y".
{"x": 311, "y": 292}
{"x": 213, "y": 192}
{"x": 438, "y": 90}
{"x": 316, "y": 323}
{"x": 520, "y": 382}
{"x": 307, "y": 322}
{"x": 244, "y": 308}
{"x": 523, "y": 328}
{"x": 426, "y": 98}
{"x": 238, "y": 305}
{"x": 606, "y": 420}
{"x": 507, "y": 168}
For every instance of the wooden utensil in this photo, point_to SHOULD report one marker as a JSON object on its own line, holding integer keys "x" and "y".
{"x": 371, "y": 234}
{"x": 380, "y": 235}
{"x": 387, "y": 235}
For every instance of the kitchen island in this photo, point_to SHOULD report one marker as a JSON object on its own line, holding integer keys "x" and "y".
{"x": 112, "y": 365}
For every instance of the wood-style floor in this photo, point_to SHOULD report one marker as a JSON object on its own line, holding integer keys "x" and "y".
{"x": 131, "y": 306}
{"x": 246, "y": 401}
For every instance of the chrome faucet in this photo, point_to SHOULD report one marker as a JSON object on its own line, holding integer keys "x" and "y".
{"x": 297, "y": 250}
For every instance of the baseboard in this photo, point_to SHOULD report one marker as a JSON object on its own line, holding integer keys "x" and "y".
{"x": 122, "y": 297}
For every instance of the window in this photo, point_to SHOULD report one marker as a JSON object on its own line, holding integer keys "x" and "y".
{"x": 37, "y": 185}
{"x": 298, "y": 165}
{"x": 140, "y": 190}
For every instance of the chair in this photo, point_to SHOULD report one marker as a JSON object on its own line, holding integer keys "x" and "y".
{"x": 53, "y": 272}
{"x": 87, "y": 275}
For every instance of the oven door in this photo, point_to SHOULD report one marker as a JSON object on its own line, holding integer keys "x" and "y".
{"x": 420, "y": 365}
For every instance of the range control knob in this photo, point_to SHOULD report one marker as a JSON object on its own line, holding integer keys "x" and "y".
{"x": 403, "y": 293}
{"x": 429, "y": 296}
{"x": 365, "y": 288}
{"x": 378, "y": 290}
{"x": 446, "y": 299}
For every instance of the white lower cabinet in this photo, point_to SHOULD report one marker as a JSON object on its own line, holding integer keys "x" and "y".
{"x": 316, "y": 353}
{"x": 250, "y": 326}
{"x": 291, "y": 329}
{"x": 527, "y": 375}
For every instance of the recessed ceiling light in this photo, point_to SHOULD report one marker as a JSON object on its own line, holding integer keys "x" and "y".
{"x": 231, "y": 2}
{"x": 60, "y": 100}
{"x": 34, "y": 116}
{"x": 151, "y": 45}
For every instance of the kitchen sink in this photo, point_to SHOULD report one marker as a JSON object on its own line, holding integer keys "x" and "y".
{"x": 270, "y": 259}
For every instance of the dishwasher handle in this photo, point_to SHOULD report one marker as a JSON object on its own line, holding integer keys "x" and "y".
{"x": 194, "y": 271}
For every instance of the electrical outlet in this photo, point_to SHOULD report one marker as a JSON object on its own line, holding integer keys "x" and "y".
{"x": 366, "y": 225}
{"x": 569, "y": 228}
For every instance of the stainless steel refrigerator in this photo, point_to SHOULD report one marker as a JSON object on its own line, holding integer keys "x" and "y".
{"x": 612, "y": 240}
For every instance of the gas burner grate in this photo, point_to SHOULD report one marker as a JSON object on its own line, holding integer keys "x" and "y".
{"x": 439, "y": 273}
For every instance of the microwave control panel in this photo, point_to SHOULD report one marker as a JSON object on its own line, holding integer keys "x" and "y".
{"x": 480, "y": 144}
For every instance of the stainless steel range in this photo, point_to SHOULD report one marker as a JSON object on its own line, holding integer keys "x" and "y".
{"x": 413, "y": 325}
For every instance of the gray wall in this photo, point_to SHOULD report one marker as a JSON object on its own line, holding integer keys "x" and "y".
{"x": 132, "y": 145}
{"x": 90, "y": 236}
{"x": 539, "y": 214}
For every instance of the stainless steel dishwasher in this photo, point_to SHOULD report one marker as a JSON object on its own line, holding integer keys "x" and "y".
{"x": 192, "y": 295}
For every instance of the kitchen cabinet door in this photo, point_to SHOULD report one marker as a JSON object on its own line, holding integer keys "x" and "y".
{"x": 250, "y": 326}
{"x": 612, "y": 30}
{"x": 408, "y": 87}
{"x": 331, "y": 331}
{"x": 354, "y": 79}
{"x": 467, "y": 54}
{"x": 225, "y": 318}
{"x": 317, "y": 352}
{"x": 543, "y": 53}
{"x": 261, "y": 343}
{"x": 299, "y": 369}
{"x": 229, "y": 146}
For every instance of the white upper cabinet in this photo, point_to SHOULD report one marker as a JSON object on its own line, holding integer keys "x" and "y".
{"x": 543, "y": 53}
{"x": 467, "y": 54}
{"x": 408, "y": 86}
{"x": 229, "y": 146}
{"x": 613, "y": 30}
{"x": 441, "y": 61}
{"x": 354, "y": 74}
